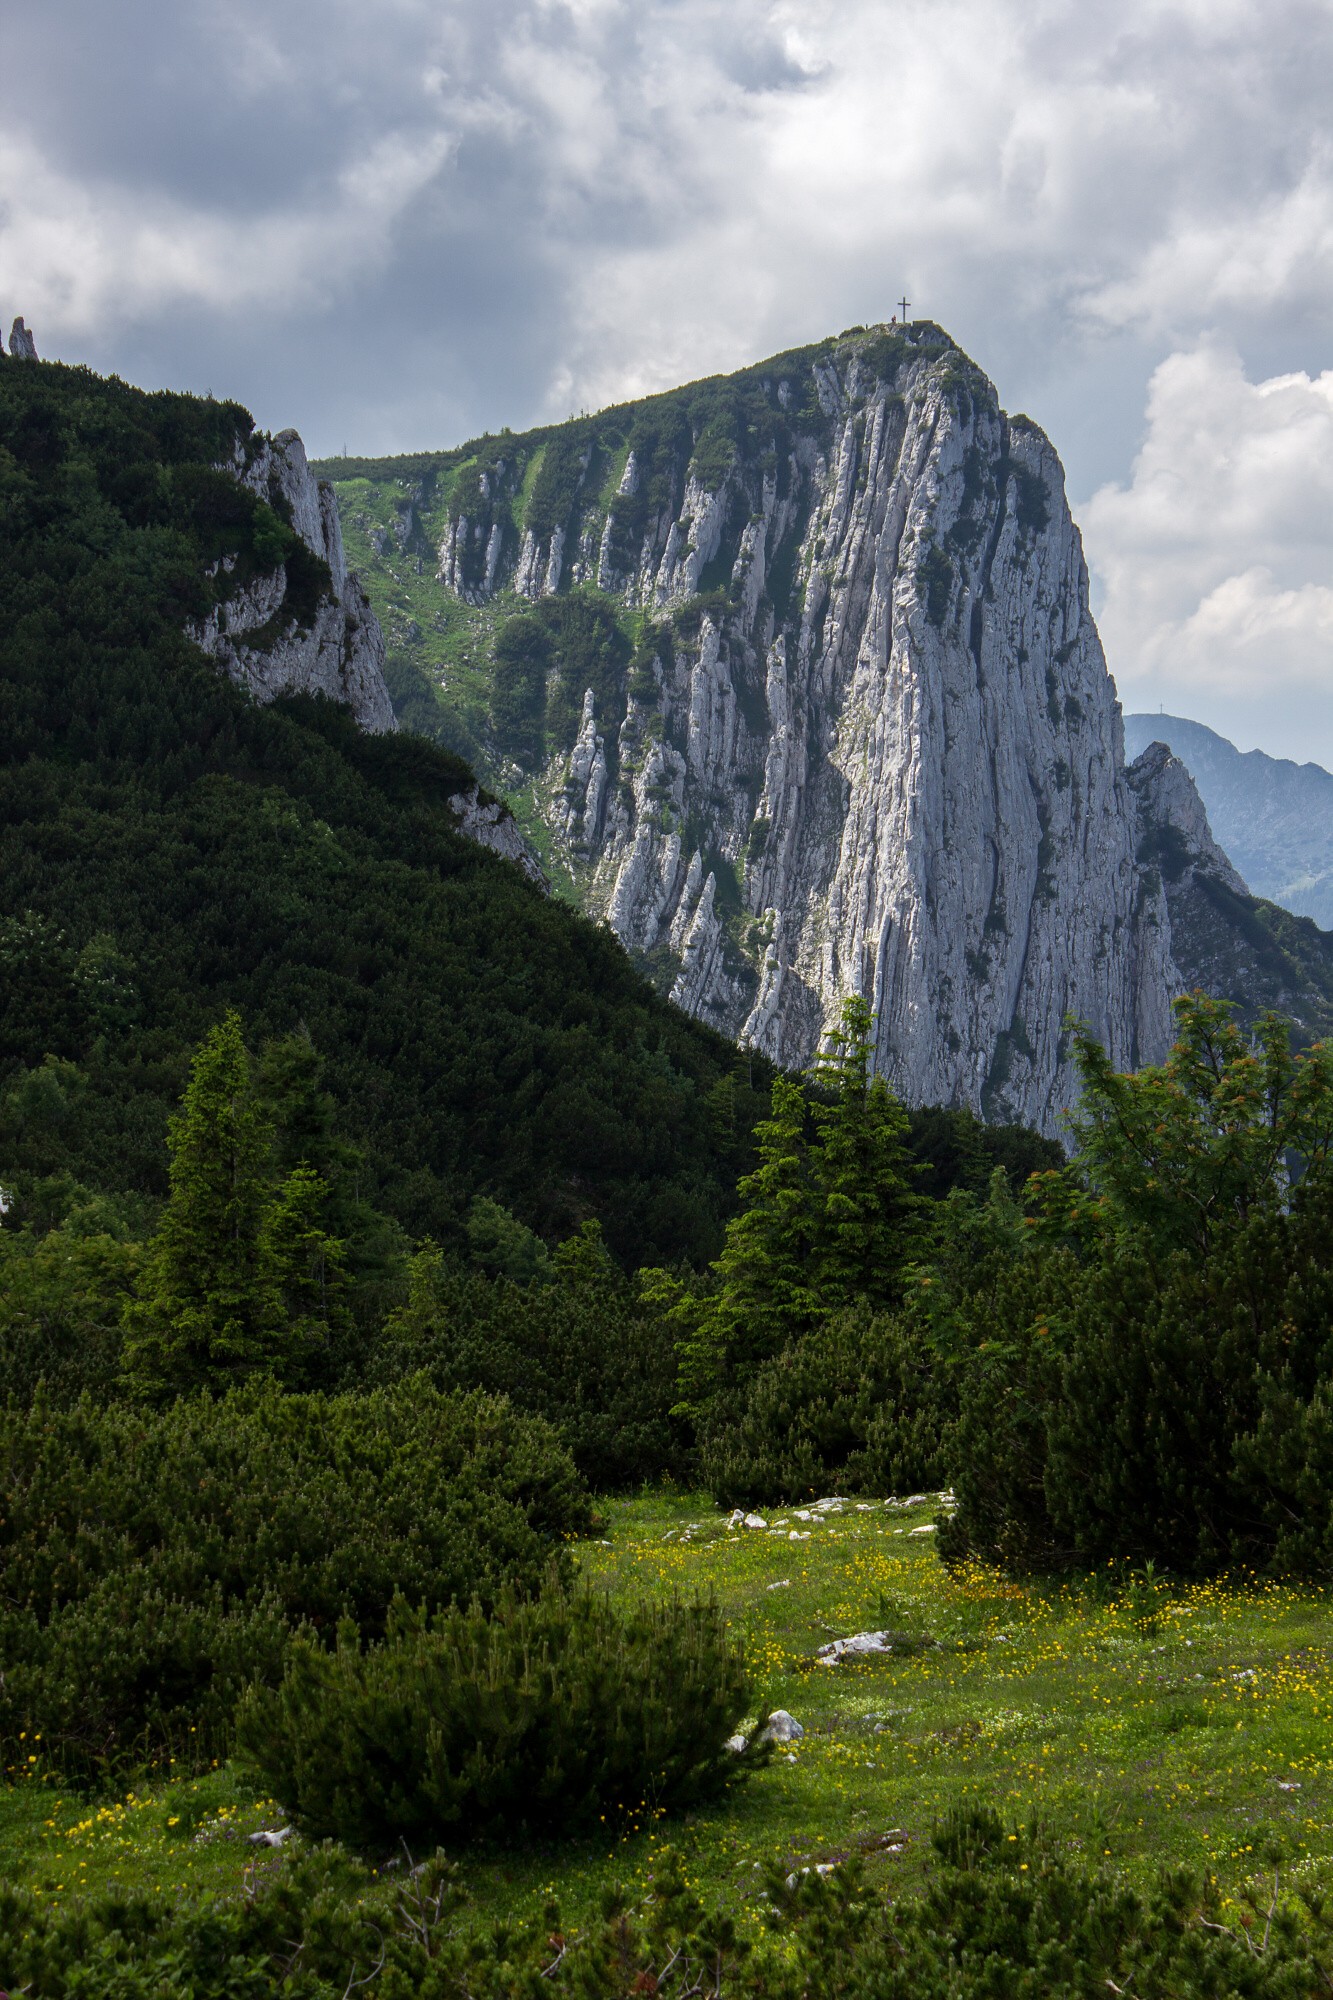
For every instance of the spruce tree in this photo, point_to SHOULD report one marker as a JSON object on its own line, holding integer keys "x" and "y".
{"x": 303, "y": 1275}
{"x": 866, "y": 1218}
{"x": 763, "y": 1292}
{"x": 821, "y": 1226}
{"x": 240, "y": 1277}
{"x": 199, "y": 1308}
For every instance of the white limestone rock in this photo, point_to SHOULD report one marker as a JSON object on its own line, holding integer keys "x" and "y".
{"x": 781, "y": 1728}
{"x": 492, "y": 825}
{"x": 340, "y": 653}
{"x": 22, "y": 346}
{"x": 892, "y": 765}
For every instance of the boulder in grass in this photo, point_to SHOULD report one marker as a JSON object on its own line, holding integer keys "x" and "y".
{"x": 781, "y": 1728}
{"x": 861, "y": 1643}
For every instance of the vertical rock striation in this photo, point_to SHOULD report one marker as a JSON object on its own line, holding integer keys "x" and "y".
{"x": 273, "y": 645}
{"x": 875, "y": 748}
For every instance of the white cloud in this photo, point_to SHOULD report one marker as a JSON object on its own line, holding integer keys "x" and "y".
{"x": 709, "y": 176}
{"x": 1039, "y": 176}
{"x": 88, "y": 252}
{"x": 1214, "y": 560}
{"x": 528, "y": 206}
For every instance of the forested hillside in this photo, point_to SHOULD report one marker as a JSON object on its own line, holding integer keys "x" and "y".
{"x": 168, "y": 849}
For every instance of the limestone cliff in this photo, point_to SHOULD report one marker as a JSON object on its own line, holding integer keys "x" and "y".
{"x": 272, "y": 645}
{"x": 1223, "y": 939}
{"x": 1274, "y": 817}
{"x": 867, "y": 743}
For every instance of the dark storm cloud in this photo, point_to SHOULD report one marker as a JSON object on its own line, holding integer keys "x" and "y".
{"x": 396, "y": 224}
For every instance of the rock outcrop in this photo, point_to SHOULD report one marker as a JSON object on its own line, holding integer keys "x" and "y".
{"x": 1274, "y": 817}
{"x": 262, "y": 640}
{"x": 492, "y": 825}
{"x": 21, "y": 343}
{"x": 1224, "y": 940}
{"x": 1176, "y": 833}
{"x": 870, "y": 744}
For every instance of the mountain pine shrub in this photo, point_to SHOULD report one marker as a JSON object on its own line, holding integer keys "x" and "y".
{"x": 572, "y": 1342}
{"x": 564, "y": 1712}
{"x": 859, "y": 1405}
{"x": 997, "y": 1915}
{"x": 155, "y": 1562}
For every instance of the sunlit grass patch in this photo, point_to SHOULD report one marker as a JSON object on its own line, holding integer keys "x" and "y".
{"x": 1159, "y": 1723}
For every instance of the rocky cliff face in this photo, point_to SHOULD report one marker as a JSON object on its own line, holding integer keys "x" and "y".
{"x": 1223, "y": 939}
{"x": 867, "y": 742}
{"x": 1274, "y": 817}
{"x": 21, "y": 343}
{"x": 259, "y": 636}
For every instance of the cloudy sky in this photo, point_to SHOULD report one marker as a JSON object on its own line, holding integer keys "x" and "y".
{"x": 396, "y": 223}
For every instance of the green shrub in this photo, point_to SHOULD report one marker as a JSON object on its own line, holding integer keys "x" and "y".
{"x": 1147, "y": 1381}
{"x": 580, "y": 1350}
{"x": 860, "y": 1405}
{"x": 561, "y": 1712}
{"x": 522, "y": 658}
{"x": 998, "y": 1915}
{"x": 155, "y": 1562}
{"x": 935, "y": 581}
{"x": 62, "y": 1296}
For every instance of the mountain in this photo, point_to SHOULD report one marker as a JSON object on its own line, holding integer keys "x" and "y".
{"x": 283, "y": 631}
{"x": 1274, "y": 817}
{"x": 176, "y": 840}
{"x": 792, "y": 676}
{"x": 1224, "y": 941}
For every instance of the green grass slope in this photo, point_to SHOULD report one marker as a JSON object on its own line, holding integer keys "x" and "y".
{"x": 1151, "y": 1722}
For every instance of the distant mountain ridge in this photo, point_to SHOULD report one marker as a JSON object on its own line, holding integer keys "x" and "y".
{"x": 1273, "y": 817}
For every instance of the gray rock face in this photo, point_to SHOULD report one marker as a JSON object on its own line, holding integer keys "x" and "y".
{"x": 879, "y": 751}
{"x": 492, "y": 825}
{"x": 256, "y": 637}
{"x": 1175, "y": 824}
{"x": 1273, "y": 817}
{"x": 21, "y": 343}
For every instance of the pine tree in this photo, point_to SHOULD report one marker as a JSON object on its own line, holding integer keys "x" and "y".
{"x": 762, "y": 1293}
{"x": 240, "y": 1277}
{"x": 866, "y": 1222}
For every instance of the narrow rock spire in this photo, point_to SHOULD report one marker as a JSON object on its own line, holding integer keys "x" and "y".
{"x": 21, "y": 343}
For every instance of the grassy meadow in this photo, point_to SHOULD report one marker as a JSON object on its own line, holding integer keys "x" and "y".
{"x": 1136, "y": 1718}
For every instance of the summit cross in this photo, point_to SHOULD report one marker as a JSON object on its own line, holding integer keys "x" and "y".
{"x": 902, "y": 307}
